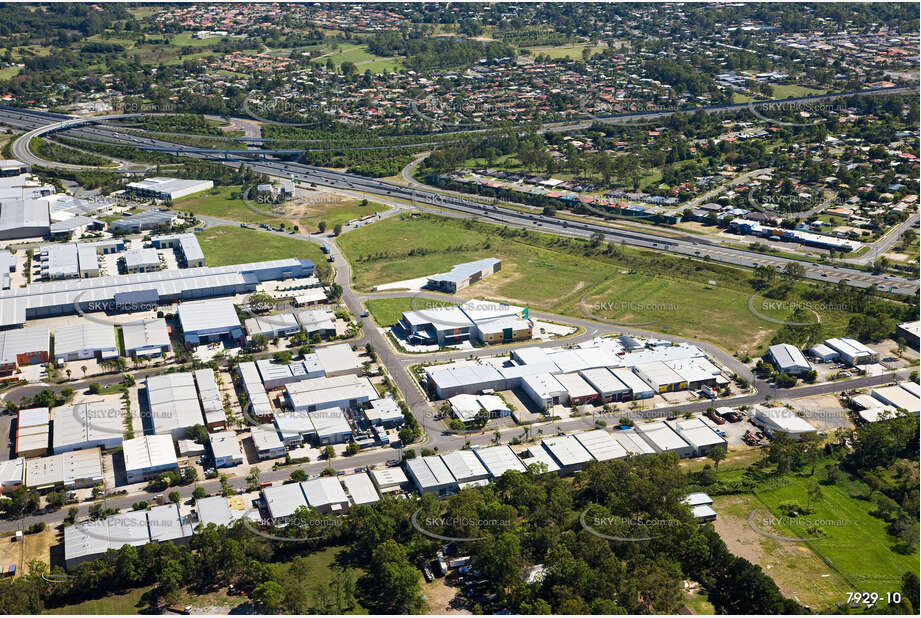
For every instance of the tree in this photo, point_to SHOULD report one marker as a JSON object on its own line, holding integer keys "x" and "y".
{"x": 352, "y": 448}
{"x": 329, "y": 452}
{"x": 261, "y": 302}
{"x": 717, "y": 454}
{"x": 95, "y": 388}
{"x": 813, "y": 495}
{"x": 174, "y": 497}
{"x": 794, "y": 271}
{"x": 337, "y": 229}
{"x": 83, "y": 369}
{"x": 406, "y": 435}
{"x": 271, "y": 595}
{"x": 170, "y": 580}
{"x": 259, "y": 341}
{"x": 321, "y": 226}
{"x": 298, "y": 476}
{"x": 199, "y": 493}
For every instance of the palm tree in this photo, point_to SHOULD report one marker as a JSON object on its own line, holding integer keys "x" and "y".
{"x": 83, "y": 369}
{"x": 67, "y": 371}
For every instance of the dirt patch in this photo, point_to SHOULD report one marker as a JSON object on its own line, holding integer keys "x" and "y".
{"x": 439, "y": 596}
{"x": 32, "y": 547}
{"x": 797, "y": 570}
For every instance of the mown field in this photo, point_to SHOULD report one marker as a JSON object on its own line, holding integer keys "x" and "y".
{"x": 388, "y": 311}
{"x": 234, "y": 245}
{"x": 225, "y": 203}
{"x": 648, "y": 290}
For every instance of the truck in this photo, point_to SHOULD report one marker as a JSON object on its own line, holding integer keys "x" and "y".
{"x": 325, "y": 248}
{"x": 180, "y": 609}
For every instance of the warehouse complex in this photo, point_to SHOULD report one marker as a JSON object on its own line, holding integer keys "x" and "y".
{"x": 596, "y": 372}
{"x": 484, "y": 321}
{"x": 120, "y": 292}
{"x": 464, "y": 275}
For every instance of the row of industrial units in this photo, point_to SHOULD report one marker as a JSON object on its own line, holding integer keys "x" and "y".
{"x": 885, "y": 401}
{"x": 566, "y": 454}
{"x": 127, "y": 292}
{"x": 600, "y": 372}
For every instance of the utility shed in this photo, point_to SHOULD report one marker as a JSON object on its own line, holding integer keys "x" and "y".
{"x": 326, "y": 495}
{"x": 465, "y": 467}
{"x": 606, "y": 384}
{"x": 698, "y": 434}
{"x": 781, "y": 420}
{"x": 580, "y": 392}
{"x": 663, "y": 439}
{"x": 360, "y": 489}
{"x": 431, "y": 476}
{"x": 88, "y": 425}
{"x": 499, "y": 459}
{"x": 568, "y": 453}
{"x": 601, "y": 445}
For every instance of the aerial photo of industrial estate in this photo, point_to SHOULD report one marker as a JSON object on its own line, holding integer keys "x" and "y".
{"x": 459, "y": 308}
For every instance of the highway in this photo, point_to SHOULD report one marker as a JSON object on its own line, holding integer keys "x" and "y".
{"x": 688, "y": 245}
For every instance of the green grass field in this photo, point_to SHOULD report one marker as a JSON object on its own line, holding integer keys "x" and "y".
{"x": 363, "y": 59}
{"x": 9, "y": 72}
{"x": 234, "y": 245}
{"x": 218, "y": 203}
{"x": 564, "y": 281}
{"x": 573, "y": 51}
{"x": 793, "y": 90}
{"x": 859, "y": 548}
{"x": 387, "y": 311}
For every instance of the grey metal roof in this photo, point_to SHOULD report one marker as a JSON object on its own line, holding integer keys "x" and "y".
{"x": 214, "y": 510}
{"x": 22, "y": 341}
{"x": 145, "y": 333}
{"x": 23, "y": 213}
{"x": 208, "y": 315}
{"x": 460, "y": 272}
{"x": 84, "y": 335}
{"x": 360, "y": 488}
{"x": 323, "y": 491}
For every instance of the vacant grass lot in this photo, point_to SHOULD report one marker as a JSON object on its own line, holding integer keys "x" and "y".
{"x": 387, "y": 311}
{"x": 234, "y": 245}
{"x": 219, "y": 203}
{"x": 859, "y": 548}
{"x": 649, "y": 290}
{"x": 793, "y": 90}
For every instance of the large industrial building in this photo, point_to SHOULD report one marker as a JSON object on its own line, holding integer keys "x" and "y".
{"x": 173, "y": 403}
{"x": 498, "y": 460}
{"x": 210, "y": 320}
{"x": 144, "y": 221}
{"x": 33, "y": 428}
{"x": 146, "y": 338}
{"x": 663, "y": 439}
{"x": 431, "y": 476}
{"x": 464, "y": 275}
{"x": 781, "y": 420}
{"x": 466, "y": 468}
{"x": 484, "y": 321}
{"x": 120, "y": 292}
{"x": 24, "y": 346}
{"x": 84, "y": 339}
{"x": 852, "y": 351}
{"x": 168, "y": 189}
{"x": 910, "y": 332}
{"x": 601, "y": 445}
{"x": 186, "y": 245}
{"x": 345, "y": 391}
{"x": 88, "y": 425}
{"x": 148, "y": 456}
{"x": 698, "y": 434}
{"x": 326, "y": 495}
{"x": 788, "y": 359}
{"x": 568, "y": 453}
{"x": 72, "y": 470}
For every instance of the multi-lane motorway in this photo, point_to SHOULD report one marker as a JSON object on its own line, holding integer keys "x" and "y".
{"x": 688, "y": 245}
